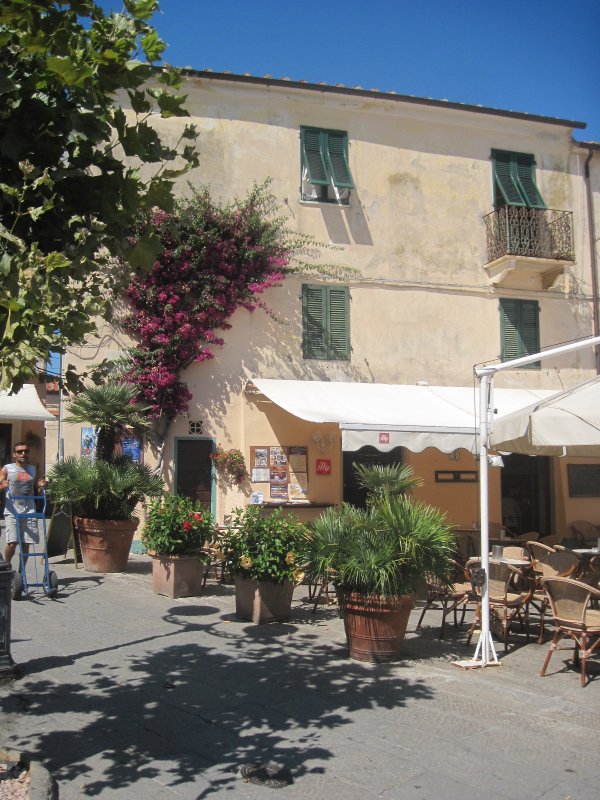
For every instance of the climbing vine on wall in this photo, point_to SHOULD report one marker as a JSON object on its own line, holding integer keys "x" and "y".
{"x": 215, "y": 259}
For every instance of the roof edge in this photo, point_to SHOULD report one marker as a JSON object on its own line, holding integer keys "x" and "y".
{"x": 375, "y": 93}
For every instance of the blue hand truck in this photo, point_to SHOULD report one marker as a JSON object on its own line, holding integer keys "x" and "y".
{"x": 37, "y": 552}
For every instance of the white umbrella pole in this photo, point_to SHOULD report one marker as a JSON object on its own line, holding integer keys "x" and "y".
{"x": 485, "y": 648}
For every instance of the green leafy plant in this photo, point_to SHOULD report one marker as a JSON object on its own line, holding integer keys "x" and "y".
{"x": 385, "y": 549}
{"x": 68, "y": 196}
{"x": 231, "y": 463}
{"x": 98, "y": 489}
{"x": 265, "y": 547}
{"x": 176, "y": 525}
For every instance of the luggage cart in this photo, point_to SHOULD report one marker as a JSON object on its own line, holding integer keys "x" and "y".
{"x": 39, "y": 551}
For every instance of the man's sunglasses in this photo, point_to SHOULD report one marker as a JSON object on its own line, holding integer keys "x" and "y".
{"x": 21, "y": 452}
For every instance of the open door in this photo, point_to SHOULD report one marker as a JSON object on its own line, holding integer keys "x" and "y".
{"x": 526, "y": 503}
{"x": 353, "y": 493}
{"x": 193, "y": 470}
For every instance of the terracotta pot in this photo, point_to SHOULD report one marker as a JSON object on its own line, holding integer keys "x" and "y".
{"x": 263, "y": 601}
{"x": 105, "y": 543}
{"x": 178, "y": 575}
{"x": 375, "y": 626}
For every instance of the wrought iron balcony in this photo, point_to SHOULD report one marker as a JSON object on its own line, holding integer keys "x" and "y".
{"x": 531, "y": 233}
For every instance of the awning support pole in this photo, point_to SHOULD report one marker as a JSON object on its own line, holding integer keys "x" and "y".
{"x": 485, "y": 654}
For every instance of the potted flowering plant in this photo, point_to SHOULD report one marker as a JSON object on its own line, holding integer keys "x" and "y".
{"x": 176, "y": 533}
{"x": 265, "y": 554}
{"x": 230, "y": 463}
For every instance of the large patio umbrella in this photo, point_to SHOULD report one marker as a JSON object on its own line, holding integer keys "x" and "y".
{"x": 567, "y": 423}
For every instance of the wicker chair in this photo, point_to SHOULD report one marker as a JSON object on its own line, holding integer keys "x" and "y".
{"x": 451, "y": 596}
{"x": 584, "y": 532}
{"x": 548, "y": 563}
{"x": 506, "y": 600}
{"x": 573, "y": 618}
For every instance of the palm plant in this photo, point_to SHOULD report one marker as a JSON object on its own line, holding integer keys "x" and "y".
{"x": 98, "y": 489}
{"x": 386, "y": 549}
{"x": 111, "y": 410}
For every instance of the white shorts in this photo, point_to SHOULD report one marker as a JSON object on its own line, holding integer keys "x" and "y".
{"x": 29, "y": 530}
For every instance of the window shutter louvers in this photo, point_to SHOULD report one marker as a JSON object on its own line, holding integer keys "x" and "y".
{"x": 525, "y": 174}
{"x": 504, "y": 180}
{"x": 337, "y": 146}
{"x": 313, "y": 152}
{"x": 314, "y": 311}
{"x": 519, "y": 325}
{"x": 338, "y": 323}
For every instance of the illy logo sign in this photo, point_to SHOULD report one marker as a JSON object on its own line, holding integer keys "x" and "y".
{"x": 323, "y": 466}
{"x": 384, "y": 438}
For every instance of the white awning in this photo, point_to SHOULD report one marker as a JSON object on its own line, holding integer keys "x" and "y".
{"x": 387, "y": 416}
{"x": 24, "y": 404}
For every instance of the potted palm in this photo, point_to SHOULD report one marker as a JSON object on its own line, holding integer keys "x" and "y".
{"x": 177, "y": 533}
{"x": 104, "y": 491}
{"x": 376, "y": 558}
{"x": 265, "y": 553}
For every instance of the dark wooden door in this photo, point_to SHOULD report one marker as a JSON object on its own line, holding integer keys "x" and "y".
{"x": 193, "y": 469}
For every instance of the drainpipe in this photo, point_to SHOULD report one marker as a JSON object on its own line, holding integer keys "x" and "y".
{"x": 593, "y": 258}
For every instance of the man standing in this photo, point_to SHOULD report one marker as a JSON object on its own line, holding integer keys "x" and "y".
{"x": 19, "y": 480}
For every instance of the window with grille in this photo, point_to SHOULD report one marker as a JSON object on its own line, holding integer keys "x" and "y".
{"x": 326, "y": 322}
{"x": 519, "y": 329}
{"x": 326, "y": 175}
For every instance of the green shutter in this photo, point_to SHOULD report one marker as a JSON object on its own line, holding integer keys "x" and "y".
{"x": 514, "y": 180}
{"x": 337, "y": 151}
{"x": 525, "y": 168}
{"x": 325, "y": 322}
{"x": 314, "y": 320}
{"x": 313, "y": 144}
{"x": 504, "y": 179}
{"x": 339, "y": 339}
{"x": 520, "y": 329}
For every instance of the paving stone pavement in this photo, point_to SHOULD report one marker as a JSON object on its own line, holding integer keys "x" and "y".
{"x": 125, "y": 694}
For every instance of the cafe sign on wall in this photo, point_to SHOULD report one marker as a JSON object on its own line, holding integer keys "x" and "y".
{"x": 323, "y": 466}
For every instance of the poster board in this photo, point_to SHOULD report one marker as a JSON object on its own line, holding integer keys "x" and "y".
{"x": 279, "y": 474}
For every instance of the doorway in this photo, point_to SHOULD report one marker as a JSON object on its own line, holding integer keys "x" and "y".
{"x": 194, "y": 470}
{"x": 370, "y": 456}
{"x": 525, "y": 483}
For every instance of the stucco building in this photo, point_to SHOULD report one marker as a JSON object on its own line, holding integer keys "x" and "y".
{"x": 471, "y": 233}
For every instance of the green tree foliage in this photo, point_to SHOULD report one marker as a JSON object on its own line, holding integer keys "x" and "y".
{"x": 71, "y": 182}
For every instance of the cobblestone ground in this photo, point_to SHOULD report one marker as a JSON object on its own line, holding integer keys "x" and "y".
{"x": 130, "y": 695}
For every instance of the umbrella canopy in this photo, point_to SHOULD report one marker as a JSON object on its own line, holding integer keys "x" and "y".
{"x": 568, "y": 423}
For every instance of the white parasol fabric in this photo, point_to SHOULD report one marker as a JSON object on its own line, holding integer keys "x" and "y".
{"x": 568, "y": 423}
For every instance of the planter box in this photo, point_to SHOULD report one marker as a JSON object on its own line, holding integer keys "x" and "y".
{"x": 105, "y": 543}
{"x": 178, "y": 576}
{"x": 262, "y": 601}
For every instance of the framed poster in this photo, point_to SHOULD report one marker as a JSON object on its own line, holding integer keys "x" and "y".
{"x": 584, "y": 480}
{"x": 283, "y": 471}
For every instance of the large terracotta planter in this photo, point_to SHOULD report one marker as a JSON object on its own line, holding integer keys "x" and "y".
{"x": 178, "y": 576}
{"x": 263, "y": 601}
{"x": 375, "y": 626}
{"x": 105, "y": 543}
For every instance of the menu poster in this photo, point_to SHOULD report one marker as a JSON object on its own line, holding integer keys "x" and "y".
{"x": 260, "y": 475}
{"x": 297, "y": 459}
{"x": 279, "y": 476}
{"x": 261, "y": 457}
{"x": 278, "y": 457}
{"x": 279, "y": 491}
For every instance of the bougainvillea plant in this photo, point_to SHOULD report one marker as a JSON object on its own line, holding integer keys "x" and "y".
{"x": 215, "y": 259}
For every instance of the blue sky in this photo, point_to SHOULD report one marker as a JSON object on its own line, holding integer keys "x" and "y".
{"x": 534, "y": 56}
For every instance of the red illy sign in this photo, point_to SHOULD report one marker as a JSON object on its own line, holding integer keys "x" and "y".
{"x": 323, "y": 466}
{"x": 384, "y": 438}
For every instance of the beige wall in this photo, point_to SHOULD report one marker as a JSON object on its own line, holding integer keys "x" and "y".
{"x": 422, "y": 305}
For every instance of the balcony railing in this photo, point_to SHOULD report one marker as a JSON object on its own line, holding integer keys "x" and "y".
{"x": 531, "y": 232}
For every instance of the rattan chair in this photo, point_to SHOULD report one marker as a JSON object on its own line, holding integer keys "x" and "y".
{"x": 548, "y": 563}
{"x": 573, "y": 618}
{"x": 451, "y": 596}
{"x": 507, "y": 602}
{"x": 584, "y": 532}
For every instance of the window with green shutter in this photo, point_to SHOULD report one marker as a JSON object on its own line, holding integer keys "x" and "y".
{"x": 325, "y": 322}
{"x": 326, "y": 175}
{"x": 519, "y": 329}
{"x": 514, "y": 180}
